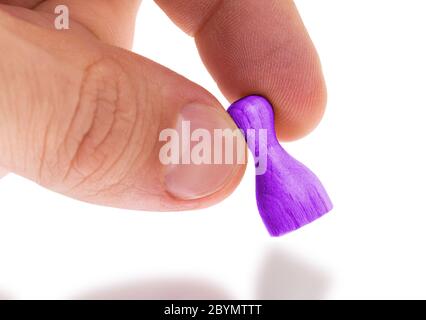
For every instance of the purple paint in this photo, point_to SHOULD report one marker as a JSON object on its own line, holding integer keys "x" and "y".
{"x": 288, "y": 194}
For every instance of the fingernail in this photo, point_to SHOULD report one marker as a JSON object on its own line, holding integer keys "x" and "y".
{"x": 195, "y": 177}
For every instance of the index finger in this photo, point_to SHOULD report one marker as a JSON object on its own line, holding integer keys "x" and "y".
{"x": 258, "y": 47}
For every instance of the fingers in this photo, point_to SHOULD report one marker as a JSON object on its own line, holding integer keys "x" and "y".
{"x": 84, "y": 119}
{"x": 112, "y": 21}
{"x": 22, "y": 3}
{"x": 261, "y": 47}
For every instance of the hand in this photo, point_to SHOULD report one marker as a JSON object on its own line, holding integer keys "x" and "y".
{"x": 81, "y": 115}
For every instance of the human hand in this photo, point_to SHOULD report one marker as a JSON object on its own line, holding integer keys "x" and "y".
{"x": 81, "y": 115}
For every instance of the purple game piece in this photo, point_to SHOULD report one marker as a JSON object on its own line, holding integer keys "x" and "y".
{"x": 288, "y": 194}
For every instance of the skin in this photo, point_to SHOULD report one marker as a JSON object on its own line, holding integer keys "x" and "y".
{"x": 56, "y": 86}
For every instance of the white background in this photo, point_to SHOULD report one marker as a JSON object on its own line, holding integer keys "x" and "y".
{"x": 369, "y": 151}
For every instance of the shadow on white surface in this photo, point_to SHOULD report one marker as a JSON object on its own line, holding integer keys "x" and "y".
{"x": 285, "y": 276}
{"x": 282, "y": 276}
{"x": 4, "y": 297}
{"x": 173, "y": 289}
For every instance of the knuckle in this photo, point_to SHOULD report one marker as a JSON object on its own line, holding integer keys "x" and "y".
{"x": 98, "y": 142}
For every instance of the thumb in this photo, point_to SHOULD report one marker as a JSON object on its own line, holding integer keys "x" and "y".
{"x": 88, "y": 120}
